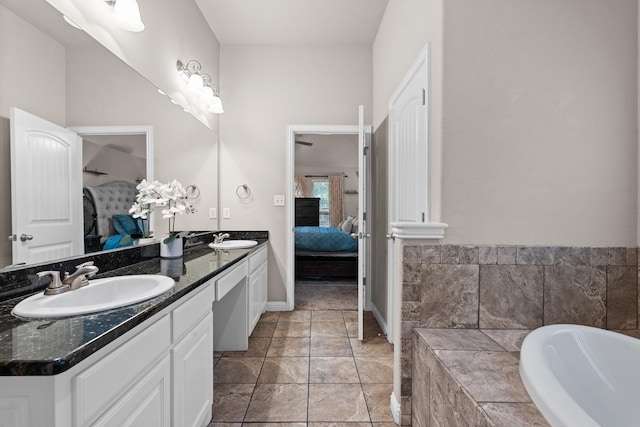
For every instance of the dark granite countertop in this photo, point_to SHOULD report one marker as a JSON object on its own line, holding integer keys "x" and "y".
{"x": 49, "y": 347}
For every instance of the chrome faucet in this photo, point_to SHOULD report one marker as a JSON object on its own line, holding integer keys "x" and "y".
{"x": 219, "y": 238}
{"x": 81, "y": 276}
{"x": 71, "y": 282}
{"x": 55, "y": 287}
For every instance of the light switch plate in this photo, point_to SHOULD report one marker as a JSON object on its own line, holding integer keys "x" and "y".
{"x": 226, "y": 213}
{"x": 213, "y": 213}
{"x": 278, "y": 200}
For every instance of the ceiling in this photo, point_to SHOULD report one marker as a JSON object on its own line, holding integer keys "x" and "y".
{"x": 294, "y": 22}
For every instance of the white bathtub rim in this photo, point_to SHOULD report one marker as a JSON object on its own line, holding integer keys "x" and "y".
{"x": 560, "y": 409}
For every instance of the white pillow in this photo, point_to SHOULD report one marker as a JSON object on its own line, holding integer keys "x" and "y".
{"x": 347, "y": 225}
{"x": 354, "y": 228}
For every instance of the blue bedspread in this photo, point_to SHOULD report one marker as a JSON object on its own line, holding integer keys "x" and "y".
{"x": 324, "y": 239}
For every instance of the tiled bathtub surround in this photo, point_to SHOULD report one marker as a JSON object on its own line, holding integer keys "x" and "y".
{"x": 513, "y": 287}
{"x": 469, "y": 378}
{"x": 519, "y": 287}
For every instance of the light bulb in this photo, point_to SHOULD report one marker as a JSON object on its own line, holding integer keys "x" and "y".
{"x": 126, "y": 14}
{"x": 216, "y": 105}
{"x": 195, "y": 81}
{"x": 207, "y": 93}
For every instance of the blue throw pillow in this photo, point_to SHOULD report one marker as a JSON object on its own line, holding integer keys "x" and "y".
{"x": 125, "y": 224}
{"x": 113, "y": 242}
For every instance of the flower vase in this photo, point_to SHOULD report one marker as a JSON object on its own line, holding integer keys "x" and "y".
{"x": 172, "y": 249}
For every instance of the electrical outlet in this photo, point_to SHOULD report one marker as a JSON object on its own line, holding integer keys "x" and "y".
{"x": 213, "y": 213}
{"x": 226, "y": 213}
{"x": 278, "y": 200}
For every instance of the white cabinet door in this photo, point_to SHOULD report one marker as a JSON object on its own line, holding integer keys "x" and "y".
{"x": 147, "y": 404}
{"x": 263, "y": 271}
{"x": 255, "y": 285}
{"x": 96, "y": 389}
{"x": 258, "y": 283}
{"x": 193, "y": 376}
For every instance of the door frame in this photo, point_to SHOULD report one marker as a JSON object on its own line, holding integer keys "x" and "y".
{"x": 146, "y": 130}
{"x": 292, "y": 130}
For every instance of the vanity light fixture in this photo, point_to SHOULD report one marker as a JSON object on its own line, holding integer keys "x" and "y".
{"x": 126, "y": 14}
{"x": 191, "y": 73}
{"x": 209, "y": 92}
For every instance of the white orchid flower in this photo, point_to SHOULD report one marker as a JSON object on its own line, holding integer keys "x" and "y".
{"x": 172, "y": 196}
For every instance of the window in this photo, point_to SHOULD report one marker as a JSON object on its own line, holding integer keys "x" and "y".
{"x": 320, "y": 189}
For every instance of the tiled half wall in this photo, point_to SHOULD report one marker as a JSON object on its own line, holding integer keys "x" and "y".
{"x": 513, "y": 287}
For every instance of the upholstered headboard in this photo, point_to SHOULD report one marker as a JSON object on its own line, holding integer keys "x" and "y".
{"x": 115, "y": 197}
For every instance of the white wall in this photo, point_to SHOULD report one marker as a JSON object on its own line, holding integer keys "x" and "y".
{"x": 173, "y": 30}
{"x": 267, "y": 88}
{"x": 407, "y": 26}
{"x": 102, "y": 90}
{"x": 31, "y": 70}
{"x": 534, "y": 131}
{"x": 25, "y": 52}
{"x": 540, "y": 122}
{"x": 117, "y": 164}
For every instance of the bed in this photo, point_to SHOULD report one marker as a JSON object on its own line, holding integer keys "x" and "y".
{"x": 106, "y": 213}
{"x": 322, "y": 251}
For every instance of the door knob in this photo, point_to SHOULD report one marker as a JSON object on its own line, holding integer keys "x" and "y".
{"x": 13, "y": 237}
{"x": 361, "y": 235}
{"x": 25, "y": 237}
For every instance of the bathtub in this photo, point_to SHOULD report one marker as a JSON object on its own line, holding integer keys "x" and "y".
{"x": 582, "y": 376}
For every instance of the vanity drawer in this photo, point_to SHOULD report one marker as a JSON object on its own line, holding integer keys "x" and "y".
{"x": 257, "y": 259}
{"x": 189, "y": 314}
{"x": 97, "y": 387}
{"x": 225, "y": 283}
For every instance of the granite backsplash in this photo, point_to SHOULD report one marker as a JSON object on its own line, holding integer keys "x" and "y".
{"x": 22, "y": 281}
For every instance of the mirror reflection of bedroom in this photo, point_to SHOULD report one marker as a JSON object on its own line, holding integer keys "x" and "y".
{"x": 326, "y": 211}
{"x": 112, "y": 167}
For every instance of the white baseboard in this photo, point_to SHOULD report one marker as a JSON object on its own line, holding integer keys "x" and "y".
{"x": 277, "y": 306}
{"x": 380, "y": 319}
{"x": 395, "y": 408}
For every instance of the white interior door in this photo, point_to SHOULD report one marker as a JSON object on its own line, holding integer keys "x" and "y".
{"x": 46, "y": 190}
{"x": 408, "y": 173}
{"x": 363, "y": 225}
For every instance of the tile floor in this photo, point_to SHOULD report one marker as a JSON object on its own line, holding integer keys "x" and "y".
{"x": 306, "y": 367}
{"x": 320, "y": 295}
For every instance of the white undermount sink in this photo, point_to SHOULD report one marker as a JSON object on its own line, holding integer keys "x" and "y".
{"x": 234, "y": 244}
{"x": 98, "y": 295}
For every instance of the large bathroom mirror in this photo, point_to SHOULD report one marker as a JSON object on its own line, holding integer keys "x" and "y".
{"x": 61, "y": 74}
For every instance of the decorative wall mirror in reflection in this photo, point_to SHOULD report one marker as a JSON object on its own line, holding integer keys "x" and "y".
{"x": 62, "y": 75}
{"x": 114, "y": 161}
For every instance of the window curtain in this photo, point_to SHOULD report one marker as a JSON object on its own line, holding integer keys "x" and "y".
{"x": 336, "y": 200}
{"x": 302, "y": 186}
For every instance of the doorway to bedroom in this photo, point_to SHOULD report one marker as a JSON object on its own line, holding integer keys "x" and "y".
{"x": 326, "y": 209}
